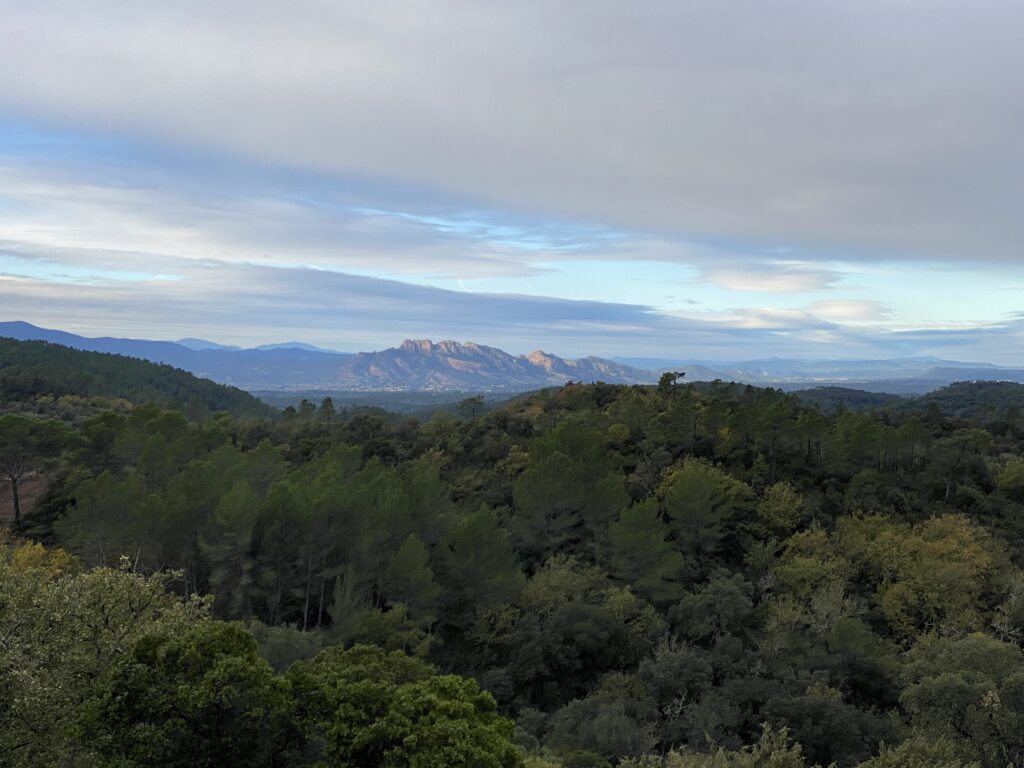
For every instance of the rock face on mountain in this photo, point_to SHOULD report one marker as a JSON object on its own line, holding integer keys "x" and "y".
{"x": 452, "y": 365}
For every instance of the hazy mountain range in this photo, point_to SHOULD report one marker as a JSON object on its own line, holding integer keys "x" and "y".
{"x": 414, "y": 365}
{"x": 453, "y": 366}
{"x": 906, "y": 375}
{"x": 466, "y": 366}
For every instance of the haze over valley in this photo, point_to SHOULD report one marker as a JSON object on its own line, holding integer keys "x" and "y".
{"x": 460, "y": 367}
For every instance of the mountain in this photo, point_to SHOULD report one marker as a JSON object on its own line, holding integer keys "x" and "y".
{"x": 450, "y": 365}
{"x": 900, "y": 376}
{"x": 295, "y": 345}
{"x": 198, "y": 344}
{"x": 276, "y": 368}
{"x": 415, "y": 365}
{"x": 29, "y": 369}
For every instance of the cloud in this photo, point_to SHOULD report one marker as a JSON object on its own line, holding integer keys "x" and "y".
{"x": 871, "y": 129}
{"x": 238, "y": 214}
{"x": 770, "y": 276}
{"x": 851, "y": 310}
{"x": 255, "y": 171}
{"x": 82, "y": 207}
{"x": 252, "y": 304}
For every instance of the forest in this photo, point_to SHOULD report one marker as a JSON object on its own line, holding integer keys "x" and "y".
{"x": 671, "y": 576}
{"x": 55, "y": 377}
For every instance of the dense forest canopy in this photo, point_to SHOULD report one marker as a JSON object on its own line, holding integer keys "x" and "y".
{"x": 649, "y": 577}
{"x": 59, "y": 379}
{"x": 984, "y": 400}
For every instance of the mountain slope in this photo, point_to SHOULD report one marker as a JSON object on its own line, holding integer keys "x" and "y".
{"x": 974, "y": 399}
{"x": 287, "y": 366}
{"x": 453, "y": 365}
{"x": 449, "y": 365}
{"x": 32, "y": 368}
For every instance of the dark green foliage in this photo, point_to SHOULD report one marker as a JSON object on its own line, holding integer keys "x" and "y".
{"x": 976, "y": 400}
{"x": 845, "y": 398}
{"x": 104, "y": 668}
{"x": 567, "y": 494}
{"x": 26, "y": 447}
{"x": 972, "y": 688}
{"x": 66, "y": 635}
{"x": 200, "y": 698}
{"x": 370, "y": 708}
{"x": 624, "y": 569}
{"x": 29, "y": 369}
{"x": 643, "y": 556}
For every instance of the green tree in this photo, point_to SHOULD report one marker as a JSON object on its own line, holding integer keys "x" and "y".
{"x": 608, "y": 723}
{"x": 111, "y": 519}
{"x": 1011, "y": 479}
{"x": 721, "y": 607}
{"x": 970, "y": 690}
{"x": 25, "y": 446}
{"x": 568, "y": 493}
{"x": 409, "y": 580}
{"x": 201, "y": 698}
{"x": 370, "y": 708}
{"x": 480, "y": 569}
{"x": 667, "y": 382}
{"x": 571, "y": 626}
{"x": 781, "y": 507}
{"x": 932, "y": 577}
{"x": 643, "y": 557}
{"x": 471, "y": 407}
{"x": 327, "y": 412}
{"x": 227, "y": 544}
{"x": 306, "y": 411}
{"x": 64, "y": 633}
{"x": 701, "y": 501}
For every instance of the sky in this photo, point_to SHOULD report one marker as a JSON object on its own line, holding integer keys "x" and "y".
{"x": 708, "y": 180}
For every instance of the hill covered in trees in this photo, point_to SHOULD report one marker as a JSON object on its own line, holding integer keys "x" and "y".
{"x": 649, "y": 577}
{"x": 34, "y": 369}
{"x": 963, "y": 399}
{"x": 984, "y": 400}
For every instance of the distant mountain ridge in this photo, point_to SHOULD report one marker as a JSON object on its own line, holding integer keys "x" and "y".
{"x": 279, "y": 366}
{"x": 907, "y": 375}
{"x": 465, "y": 366}
{"x": 452, "y": 365}
{"x": 413, "y": 365}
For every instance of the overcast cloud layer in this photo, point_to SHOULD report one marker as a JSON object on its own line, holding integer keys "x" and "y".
{"x": 723, "y": 177}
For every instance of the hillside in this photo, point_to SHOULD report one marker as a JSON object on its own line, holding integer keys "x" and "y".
{"x": 974, "y": 399}
{"x": 451, "y": 365}
{"x": 830, "y": 398}
{"x": 962, "y": 399}
{"x": 29, "y": 369}
{"x": 459, "y": 367}
{"x": 273, "y": 366}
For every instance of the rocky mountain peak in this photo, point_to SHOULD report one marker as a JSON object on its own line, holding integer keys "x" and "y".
{"x": 448, "y": 364}
{"x": 445, "y": 347}
{"x": 422, "y": 346}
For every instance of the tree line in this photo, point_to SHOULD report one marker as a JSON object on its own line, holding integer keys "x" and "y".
{"x": 638, "y": 576}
